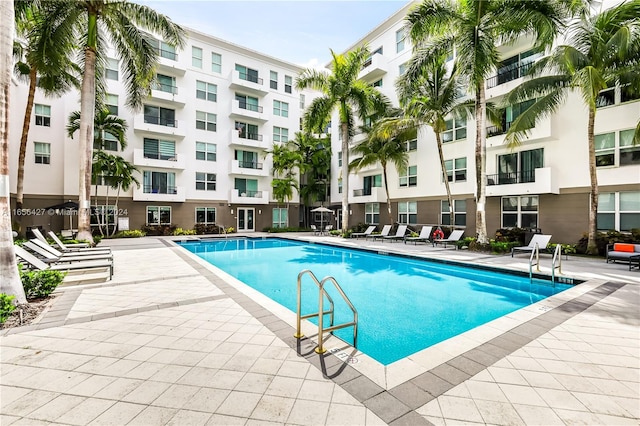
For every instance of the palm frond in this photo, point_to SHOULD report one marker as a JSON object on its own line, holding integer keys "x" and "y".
{"x": 543, "y": 107}
{"x": 312, "y": 78}
{"x": 537, "y": 87}
{"x": 318, "y": 114}
{"x": 590, "y": 81}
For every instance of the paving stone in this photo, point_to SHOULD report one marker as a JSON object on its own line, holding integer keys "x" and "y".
{"x": 411, "y": 395}
{"x": 450, "y": 374}
{"x": 386, "y": 406}
{"x": 362, "y": 388}
{"x": 432, "y": 384}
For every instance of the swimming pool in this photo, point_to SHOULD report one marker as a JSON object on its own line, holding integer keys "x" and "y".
{"x": 404, "y": 304}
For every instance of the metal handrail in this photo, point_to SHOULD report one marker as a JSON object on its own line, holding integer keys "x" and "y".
{"x": 536, "y": 252}
{"x": 557, "y": 255}
{"x": 320, "y": 314}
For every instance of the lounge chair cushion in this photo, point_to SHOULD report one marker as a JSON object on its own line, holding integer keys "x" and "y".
{"x": 623, "y": 247}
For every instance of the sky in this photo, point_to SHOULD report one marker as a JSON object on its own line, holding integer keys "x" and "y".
{"x": 301, "y": 31}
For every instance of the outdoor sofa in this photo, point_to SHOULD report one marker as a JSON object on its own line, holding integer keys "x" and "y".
{"x": 620, "y": 252}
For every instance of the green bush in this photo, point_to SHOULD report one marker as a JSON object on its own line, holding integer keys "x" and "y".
{"x": 133, "y": 233}
{"x": 230, "y": 230}
{"x": 210, "y": 228}
{"x": 6, "y": 306}
{"x": 502, "y": 246}
{"x": 511, "y": 235}
{"x": 40, "y": 283}
{"x": 465, "y": 242}
{"x": 566, "y": 248}
{"x": 604, "y": 238}
{"x": 158, "y": 230}
{"x": 285, "y": 229}
{"x": 180, "y": 231}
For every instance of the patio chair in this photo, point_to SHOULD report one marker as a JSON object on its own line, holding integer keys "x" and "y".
{"x": 74, "y": 247}
{"x": 541, "y": 240}
{"x": 327, "y": 229}
{"x": 454, "y": 237}
{"x": 382, "y": 234}
{"x": 315, "y": 230}
{"x": 75, "y": 266}
{"x": 52, "y": 255}
{"x": 365, "y": 233}
{"x": 58, "y": 253}
{"x": 400, "y": 232}
{"x": 424, "y": 237}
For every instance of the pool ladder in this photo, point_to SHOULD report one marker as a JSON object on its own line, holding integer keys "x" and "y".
{"x": 322, "y": 293}
{"x": 556, "y": 262}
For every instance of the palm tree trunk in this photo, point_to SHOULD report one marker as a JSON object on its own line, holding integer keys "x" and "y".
{"x": 445, "y": 177}
{"x": 481, "y": 146}
{"x": 33, "y": 74}
{"x": 87, "y": 115}
{"x": 115, "y": 214}
{"x": 10, "y": 282}
{"x": 386, "y": 190}
{"x": 592, "y": 247}
{"x": 344, "y": 128}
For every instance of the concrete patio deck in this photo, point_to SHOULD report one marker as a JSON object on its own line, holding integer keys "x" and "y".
{"x": 173, "y": 340}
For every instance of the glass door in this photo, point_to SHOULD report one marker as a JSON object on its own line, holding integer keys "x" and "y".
{"x": 245, "y": 219}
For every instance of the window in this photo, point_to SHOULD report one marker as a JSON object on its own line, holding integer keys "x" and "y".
{"x": 518, "y": 167}
{"x": 408, "y": 212}
{"x": 368, "y": 182}
{"x": 616, "y": 149}
{"x": 411, "y": 145}
{"x": 456, "y": 169}
{"x": 158, "y": 215}
{"x": 377, "y": 83}
{"x": 402, "y": 68}
{"x": 410, "y": 178}
{"x": 206, "y": 91}
{"x": 42, "y": 152}
{"x": 288, "y": 83}
{"x": 628, "y": 94}
{"x": 158, "y": 115}
{"x": 280, "y": 218}
{"x": 248, "y": 131}
{"x": 514, "y": 67}
{"x": 248, "y": 102}
{"x": 301, "y": 103}
{"x": 400, "y": 37}
{"x": 205, "y": 151}
{"x": 624, "y": 92}
{"x": 280, "y": 134}
{"x": 606, "y": 97}
{"x": 459, "y": 213}
{"x": 206, "y": 121}
{"x": 205, "y": 181}
{"x": 43, "y": 115}
{"x": 166, "y": 83}
{"x": 247, "y": 187}
{"x": 619, "y": 211}
{"x": 164, "y": 50}
{"x": 206, "y": 215}
{"x": 111, "y": 103}
{"x": 280, "y": 108}
{"x": 109, "y": 142}
{"x": 216, "y": 62}
{"x": 196, "y": 57}
{"x": 339, "y": 186}
{"x": 247, "y": 159}
{"x": 369, "y": 60}
{"x": 102, "y": 215}
{"x": 159, "y": 149}
{"x": 456, "y": 130}
{"x": 248, "y": 74}
{"x": 112, "y": 69}
{"x": 340, "y": 159}
{"x": 273, "y": 80}
{"x": 521, "y": 212}
{"x": 372, "y": 213}
{"x": 159, "y": 183}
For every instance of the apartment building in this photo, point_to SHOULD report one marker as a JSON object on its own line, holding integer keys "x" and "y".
{"x": 200, "y": 142}
{"x": 542, "y": 184}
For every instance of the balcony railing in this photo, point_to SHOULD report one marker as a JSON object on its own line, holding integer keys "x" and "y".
{"x": 524, "y": 176}
{"x": 250, "y": 107}
{"x": 248, "y": 77}
{"x": 250, "y": 165}
{"x": 169, "y": 54}
{"x": 508, "y": 74}
{"x": 252, "y": 136}
{"x": 361, "y": 192}
{"x": 159, "y": 156}
{"x": 495, "y": 131}
{"x": 150, "y": 189}
{"x": 167, "y": 88}
{"x": 153, "y": 119}
{"x": 251, "y": 194}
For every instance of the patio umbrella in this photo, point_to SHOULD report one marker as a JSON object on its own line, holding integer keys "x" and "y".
{"x": 322, "y": 210}
{"x": 67, "y": 207}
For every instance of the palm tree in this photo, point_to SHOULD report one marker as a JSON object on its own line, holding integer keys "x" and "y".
{"x": 603, "y": 51}
{"x": 352, "y": 98}
{"x": 103, "y": 123}
{"x": 476, "y": 29}
{"x": 285, "y": 160}
{"x": 384, "y": 149}
{"x": 121, "y": 177}
{"x": 10, "y": 282}
{"x": 51, "y": 70}
{"x": 124, "y": 23}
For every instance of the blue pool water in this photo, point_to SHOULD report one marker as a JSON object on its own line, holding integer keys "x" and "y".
{"x": 404, "y": 305}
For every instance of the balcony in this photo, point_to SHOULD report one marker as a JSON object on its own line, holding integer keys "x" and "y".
{"x": 507, "y": 79}
{"x": 166, "y": 64}
{"x": 167, "y": 95}
{"x": 140, "y": 158}
{"x": 248, "y": 197}
{"x": 370, "y": 195}
{"x": 158, "y": 126}
{"x": 540, "y": 181}
{"x": 542, "y": 131}
{"x": 247, "y": 84}
{"x": 168, "y": 194}
{"x": 374, "y": 68}
{"x": 248, "y": 168}
{"x": 243, "y": 110}
{"x": 248, "y": 140}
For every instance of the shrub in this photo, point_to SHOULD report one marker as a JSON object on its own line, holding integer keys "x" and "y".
{"x": 208, "y": 228}
{"x": 286, "y": 229}
{"x": 230, "y": 230}
{"x": 502, "y": 246}
{"x": 158, "y": 230}
{"x": 133, "y": 233}
{"x": 566, "y": 248}
{"x": 602, "y": 239}
{"x": 6, "y": 306}
{"x": 180, "y": 231}
{"x": 465, "y": 242}
{"x": 40, "y": 283}
{"x": 360, "y": 227}
{"x": 511, "y": 234}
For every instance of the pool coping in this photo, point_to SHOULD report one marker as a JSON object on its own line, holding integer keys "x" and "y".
{"x": 395, "y": 391}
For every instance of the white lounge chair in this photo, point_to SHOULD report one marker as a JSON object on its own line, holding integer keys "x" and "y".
{"x": 41, "y": 237}
{"x": 383, "y": 233}
{"x": 49, "y": 257}
{"x": 424, "y": 237}
{"x": 400, "y": 232}
{"x": 365, "y": 233}
{"x": 64, "y": 267}
{"x": 74, "y": 247}
{"x": 541, "y": 240}
{"x": 106, "y": 252}
{"x": 454, "y": 237}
